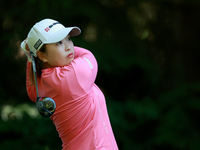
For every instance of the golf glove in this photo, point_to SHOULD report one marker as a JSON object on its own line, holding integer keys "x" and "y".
{"x": 24, "y": 49}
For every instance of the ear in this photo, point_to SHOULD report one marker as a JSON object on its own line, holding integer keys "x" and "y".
{"x": 41, "y": 56}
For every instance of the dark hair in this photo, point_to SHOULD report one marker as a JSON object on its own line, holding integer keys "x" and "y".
{"x": 39, "y": 67}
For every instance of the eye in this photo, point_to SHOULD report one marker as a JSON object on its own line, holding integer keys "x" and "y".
{"x": 69, "y": 38}
{"x": 59, "y": 43}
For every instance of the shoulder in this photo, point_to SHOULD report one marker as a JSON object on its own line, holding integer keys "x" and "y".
{"x": 79, "y": 48}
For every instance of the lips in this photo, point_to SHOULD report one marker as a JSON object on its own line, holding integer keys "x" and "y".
{"x": 71, "y": 55}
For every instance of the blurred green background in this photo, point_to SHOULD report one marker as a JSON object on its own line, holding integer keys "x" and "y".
{"x": 148, "y": 57}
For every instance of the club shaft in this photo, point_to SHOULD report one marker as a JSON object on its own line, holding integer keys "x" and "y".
{"x": 34, "y": 72}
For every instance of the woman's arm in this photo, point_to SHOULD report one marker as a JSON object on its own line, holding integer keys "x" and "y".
{"x": 30, "y": 87}
{"x": 85, "y": 66}
{"x": 78, "y": 52}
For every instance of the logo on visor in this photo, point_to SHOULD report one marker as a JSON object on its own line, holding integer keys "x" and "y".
{"x": 37, "y": 44}
{"x": 49, "y": 27}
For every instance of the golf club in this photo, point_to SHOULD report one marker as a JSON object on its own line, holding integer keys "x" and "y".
{"x": 45, "y": 105}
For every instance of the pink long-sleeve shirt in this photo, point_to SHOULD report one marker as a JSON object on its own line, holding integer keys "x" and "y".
{"x": 81, "y": 116}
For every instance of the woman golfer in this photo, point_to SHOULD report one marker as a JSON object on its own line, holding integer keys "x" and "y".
{"x": 66, "y": 74}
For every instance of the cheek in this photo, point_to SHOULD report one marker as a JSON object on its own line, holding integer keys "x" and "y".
{"x": 52, "y": 58}
{"x": 56, "y": 59}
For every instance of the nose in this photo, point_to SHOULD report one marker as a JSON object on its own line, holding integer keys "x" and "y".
{"x": 67, "y": 46}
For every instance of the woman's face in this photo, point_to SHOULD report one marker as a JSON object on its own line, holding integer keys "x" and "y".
{"x": 59, "y": 54}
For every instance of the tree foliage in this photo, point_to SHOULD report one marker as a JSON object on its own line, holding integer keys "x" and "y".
{"x": 147, "y": 52}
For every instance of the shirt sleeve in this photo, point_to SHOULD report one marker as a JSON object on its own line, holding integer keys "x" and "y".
{"x": 85, "y": 68}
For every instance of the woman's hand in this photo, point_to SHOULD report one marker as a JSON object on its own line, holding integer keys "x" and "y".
{"x": 26, "y": 50}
